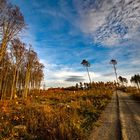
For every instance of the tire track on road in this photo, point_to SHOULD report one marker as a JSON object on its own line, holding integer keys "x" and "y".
{"x": 129, "y": 116}
{"x": 120, "y": 120}
{"x": 108, "y": 129}
{"x": 119, "y": 125}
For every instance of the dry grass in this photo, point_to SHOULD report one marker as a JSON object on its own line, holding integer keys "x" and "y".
{"x": 133, "y": 91}
{"x": 62, "y": 115}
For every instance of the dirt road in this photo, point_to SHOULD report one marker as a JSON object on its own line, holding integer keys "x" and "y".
{"x": 120, "y": 120}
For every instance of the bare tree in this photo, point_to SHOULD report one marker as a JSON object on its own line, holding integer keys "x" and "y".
{"x": 86, "y": 64}
{"x": 17, "y": 57}
{"x": 11, "y": 23}
{"x": 5, "y": 67}
{"x": 114, "y": 63}
{"x": 33, "y": 67}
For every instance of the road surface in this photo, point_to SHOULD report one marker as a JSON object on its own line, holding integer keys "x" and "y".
{"x": 120, "y": 120}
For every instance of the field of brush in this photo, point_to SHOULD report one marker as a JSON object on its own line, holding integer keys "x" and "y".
{"x": 134, "y": 93}
{"x": 53, "y": 115}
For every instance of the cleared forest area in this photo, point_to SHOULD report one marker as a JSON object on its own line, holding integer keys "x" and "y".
{"x": 59, "y": 114}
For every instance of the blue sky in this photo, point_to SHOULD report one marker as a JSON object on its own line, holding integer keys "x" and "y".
{"x": 64, "y": 32}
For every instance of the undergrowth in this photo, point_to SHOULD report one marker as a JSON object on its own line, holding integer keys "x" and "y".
{"x": 61, "y": 115}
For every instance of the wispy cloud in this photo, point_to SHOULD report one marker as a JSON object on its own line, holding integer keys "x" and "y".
{"x": 109, "y": 21}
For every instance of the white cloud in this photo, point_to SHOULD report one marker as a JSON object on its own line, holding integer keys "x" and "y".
{"x": 62, "y": 74}
{"x": 57, "y": 75}
{"x": 112, "y": 40}
{"x": 109, "y": 21}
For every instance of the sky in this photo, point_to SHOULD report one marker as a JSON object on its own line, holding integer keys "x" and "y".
{"x": 64, "y": 32}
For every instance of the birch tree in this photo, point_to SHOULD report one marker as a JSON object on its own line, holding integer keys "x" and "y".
{"x": 11, "y": 23}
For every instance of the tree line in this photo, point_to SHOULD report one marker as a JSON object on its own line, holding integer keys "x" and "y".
{"x": 20, "y": 69}
{"x": 119, "y": 80}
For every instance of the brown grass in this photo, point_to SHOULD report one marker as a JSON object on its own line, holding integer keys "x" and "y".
{"x": 63, "y": 115}
{"x": 134, "y": 93}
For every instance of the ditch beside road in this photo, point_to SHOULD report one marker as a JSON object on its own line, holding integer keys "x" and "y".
{"x": 120, "y": 120}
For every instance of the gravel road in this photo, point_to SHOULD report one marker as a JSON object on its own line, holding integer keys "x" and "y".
{"x": 120, "y": 120}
